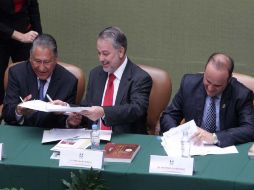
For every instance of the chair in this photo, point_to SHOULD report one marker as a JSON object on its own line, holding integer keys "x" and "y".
{"x": 159, "y": 97}
{"x": 247, "y": 80}
{"x": 79, "y": 74}
{"x": 76, "y": 71}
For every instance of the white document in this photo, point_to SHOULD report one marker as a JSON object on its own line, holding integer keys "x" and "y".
{"x": 172, "y": 147}
{"x": 55, "y": 156}
{"x": 72, "y": 143}
{"x": 104, "y": 134}
{"x": 1, "y": 151}
{"x": 211, "y": 149}
{"x": 81, "y": 158}
{"x": 171, "y": 165}
{"x": 177, "y": 132}
{"x": 59, "y": 134}
{"x": 171, "y": 142}
{"x": 40, "y": 105}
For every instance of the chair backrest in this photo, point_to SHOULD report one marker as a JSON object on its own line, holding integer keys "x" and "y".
{"x": 247, "y": 80}
{"x": 76, "y": 71}
{"x": 79, "y": 74}
{"x": 159, "y": 96}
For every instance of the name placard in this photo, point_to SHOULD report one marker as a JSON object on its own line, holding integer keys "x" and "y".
{"x": 1, "y": 151}
{"x": 81, "y": 158}
{"x": 171, "y": 165}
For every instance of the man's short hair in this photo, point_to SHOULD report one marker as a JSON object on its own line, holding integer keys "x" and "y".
{"x": 219, "y": 65}
{"x": 116, "y": 35}
{"x": 46, "y": 41}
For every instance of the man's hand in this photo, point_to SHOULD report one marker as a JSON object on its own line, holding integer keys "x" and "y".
{"x": 94, "y": 113}
{"x": 59, "y": 102}
{"x": 202, "y": 136}
{"x": 74, "y": 119}
{"x": 24, "y": 111}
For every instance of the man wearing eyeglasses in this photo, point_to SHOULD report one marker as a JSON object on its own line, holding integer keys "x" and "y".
{"x": 35, "y": 78}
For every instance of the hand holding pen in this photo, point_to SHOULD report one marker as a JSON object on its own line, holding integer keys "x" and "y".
{"x": 56, "y": 102}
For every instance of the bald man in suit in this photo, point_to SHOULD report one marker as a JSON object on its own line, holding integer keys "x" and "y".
{"x": 234, "y": 115}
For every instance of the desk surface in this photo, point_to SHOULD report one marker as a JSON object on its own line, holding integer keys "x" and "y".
{"x": 28, "y": 165}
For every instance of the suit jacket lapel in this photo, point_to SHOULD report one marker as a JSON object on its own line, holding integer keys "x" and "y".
{"x": 225, "y": 98}
{"x": 200, "y": 102}
{"x": 53, "y": 85}
{"x": 31, "y": 80}
{"x": 100, "y": 85}
{"x": 124, "y": 83}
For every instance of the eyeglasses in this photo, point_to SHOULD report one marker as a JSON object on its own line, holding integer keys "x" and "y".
{"x": 44, "y": 62}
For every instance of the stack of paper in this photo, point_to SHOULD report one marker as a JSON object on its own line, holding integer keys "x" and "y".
{"x": 60, "y": 134}
{"x": 40, "y": 105}
{"x": 171, "y": 141}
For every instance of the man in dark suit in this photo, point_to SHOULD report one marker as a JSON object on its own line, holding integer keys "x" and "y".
{"x": 19, "y": 25}
{"x": 34, "y": 79}
{"x": 126, "y": 113}
{"x": 233, "y": 115}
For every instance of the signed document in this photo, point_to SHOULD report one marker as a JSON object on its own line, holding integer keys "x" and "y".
{"x": 40, "y": 105}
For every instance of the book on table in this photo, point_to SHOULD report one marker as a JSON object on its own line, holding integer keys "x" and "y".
{"x": 120, "y": 152}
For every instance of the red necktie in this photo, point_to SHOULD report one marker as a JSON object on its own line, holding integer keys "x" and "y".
{"x": 108, "y": 97}
{"x": 18, "y": 5}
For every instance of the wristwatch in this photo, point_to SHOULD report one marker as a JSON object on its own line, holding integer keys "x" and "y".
{"x": 215, "y": 139}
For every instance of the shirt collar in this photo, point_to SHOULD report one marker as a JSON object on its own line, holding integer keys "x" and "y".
{"x": 48, "y": 79}
{"x": 119, "y": 72}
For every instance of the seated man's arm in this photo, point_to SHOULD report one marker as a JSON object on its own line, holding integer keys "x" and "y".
{"x": 173, "y": 114}
{"x": 134, "y": 103}
{"x": 242, "y": 130}
{"x": 11, "y": 99}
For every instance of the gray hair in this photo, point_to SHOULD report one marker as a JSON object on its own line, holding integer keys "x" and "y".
{"x": 45, "y": 41}
{"x": 116, "y": 35}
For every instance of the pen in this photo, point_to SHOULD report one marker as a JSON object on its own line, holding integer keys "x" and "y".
{"x": 50, "y": 99}
{"x": 21, "y": 99}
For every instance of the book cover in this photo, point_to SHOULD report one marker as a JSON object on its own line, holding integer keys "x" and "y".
{"x": 120, "y": 152}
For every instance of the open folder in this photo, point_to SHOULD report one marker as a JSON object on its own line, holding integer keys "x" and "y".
{"x": 40, "y": 105}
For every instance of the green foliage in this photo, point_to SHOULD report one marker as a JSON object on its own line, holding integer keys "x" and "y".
{"x": 91, "y": 181}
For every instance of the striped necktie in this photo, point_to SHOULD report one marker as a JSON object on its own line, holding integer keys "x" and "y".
{"x": 210, "y": 122}
{"x": 41, "y": 89}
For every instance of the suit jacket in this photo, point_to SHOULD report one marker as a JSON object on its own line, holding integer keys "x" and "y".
{"x": 128, "y": 115}
{"x": 25, "y": 20}
{"x": 23, "y": 81}
{"x": 236, "y": 109}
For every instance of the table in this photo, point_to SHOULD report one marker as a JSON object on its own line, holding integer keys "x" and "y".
{"x": 27, "y": 165}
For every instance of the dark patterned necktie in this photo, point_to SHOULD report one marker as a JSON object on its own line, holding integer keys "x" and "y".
{"x": 210, "y": 122}
{"x": 41, "y": 89}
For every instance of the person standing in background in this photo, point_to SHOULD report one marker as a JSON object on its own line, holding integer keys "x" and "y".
{"x": 20, "y": 24}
